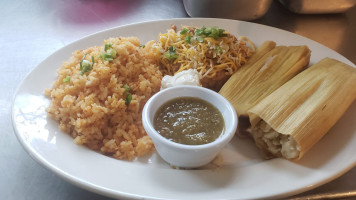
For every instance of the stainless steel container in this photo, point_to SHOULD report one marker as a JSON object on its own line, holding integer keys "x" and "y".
{"x": 230, "y": 9}
{"x": 318, "y": 6}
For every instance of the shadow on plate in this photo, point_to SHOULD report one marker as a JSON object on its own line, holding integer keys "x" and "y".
{"x": 199, "y": 180}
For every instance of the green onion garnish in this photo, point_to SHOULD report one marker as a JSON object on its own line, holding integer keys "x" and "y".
{"x": 200, "y": 39}
{"x": 171, "y": 54}
{"x": 142, "y": 45}
{"x": 128, "y": 95}
{"x": 109, "y": 53}
{"x": 128, "y": 99}
{"x": 112, "y": 53}
{"x": 85, "y": 65}
{"x": 127, "y": 88}
{"x": 66, "y": 79}
{"x": 81, "y": 62}
{"x": 218, "y": 50}
{"x": 107, "y": 46}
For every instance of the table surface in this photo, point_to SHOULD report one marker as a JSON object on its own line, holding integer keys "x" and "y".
{"x": 32, "y": 30}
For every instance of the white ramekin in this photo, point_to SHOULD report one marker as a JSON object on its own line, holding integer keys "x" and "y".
{"x": 189, "y": 156}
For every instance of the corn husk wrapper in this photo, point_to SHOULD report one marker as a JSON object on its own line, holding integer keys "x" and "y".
{"x": 269, "y": 68}
{"x": 307, "y": 106}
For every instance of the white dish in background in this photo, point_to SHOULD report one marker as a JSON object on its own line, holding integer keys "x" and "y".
{"x": 229, "y": 9}
{"x": 244, "y": 174}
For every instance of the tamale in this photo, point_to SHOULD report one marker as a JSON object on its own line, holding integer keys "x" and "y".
{"x": 269, "y": 68}
{"x": 292, "y": 119}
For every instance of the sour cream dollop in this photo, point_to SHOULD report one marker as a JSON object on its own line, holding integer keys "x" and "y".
{"x": 186, "y": 77}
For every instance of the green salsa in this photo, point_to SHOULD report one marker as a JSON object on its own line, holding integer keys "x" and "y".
{"x": 189, "y": 120}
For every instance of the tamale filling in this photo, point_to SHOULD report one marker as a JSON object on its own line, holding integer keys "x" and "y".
{"x": 273, "y": 143}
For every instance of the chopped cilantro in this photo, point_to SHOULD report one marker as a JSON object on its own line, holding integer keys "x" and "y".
{"x": 187, "y": 39}
{"x": 212, "y": 32}
{"x": 183, "y": 31}
{"x": 199, "y": 31}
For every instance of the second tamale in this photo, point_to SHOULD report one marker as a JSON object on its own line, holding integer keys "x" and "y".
{"x": 292, "y": 119}
{"x": 269, "y": 68}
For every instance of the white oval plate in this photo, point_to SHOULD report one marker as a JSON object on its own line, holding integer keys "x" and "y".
{"x": 244, "y": 175}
